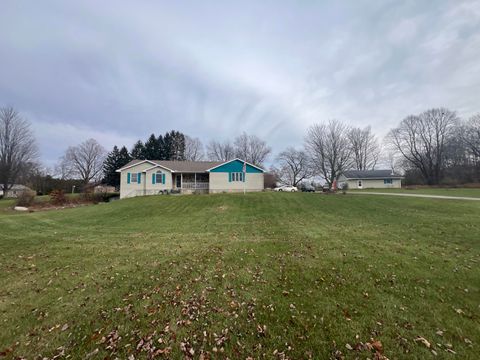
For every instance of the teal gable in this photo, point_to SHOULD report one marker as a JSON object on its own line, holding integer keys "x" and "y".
{"x": 235, "y": 166}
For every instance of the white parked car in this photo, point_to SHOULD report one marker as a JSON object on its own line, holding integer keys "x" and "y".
{"x": 286, "y": 188}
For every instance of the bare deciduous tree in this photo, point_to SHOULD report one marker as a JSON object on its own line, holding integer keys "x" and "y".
{"x": 17, "y": 146}
{"x": 365, "y": 148}
{"x": 84, "y": 161}
{"x": 217, "y": 151}
{"x": 294, "y": 166}
{"x": 422, "y": 140}
{"x": 329, "y": 149}
{"x": 193, "y": 149}
{"x": 471, "y": 136}
{"x": 251, "y": 149}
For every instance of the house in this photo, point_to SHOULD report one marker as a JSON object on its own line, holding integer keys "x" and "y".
{"x": 15, "y": 191}
{"x": 370, "y": 179}
{"x": 150, "y": 177}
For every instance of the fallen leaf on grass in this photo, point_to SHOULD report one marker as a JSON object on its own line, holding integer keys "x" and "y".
{"x": 377, "y": 345}
{"x": 423, "y": 341}
{"x": 93, "y": 353}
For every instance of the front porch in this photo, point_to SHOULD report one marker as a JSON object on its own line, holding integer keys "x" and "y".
{"x": 190, "y": 182}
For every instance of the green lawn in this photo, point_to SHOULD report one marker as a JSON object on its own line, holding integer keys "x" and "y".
{"x": 270, "y": 275}
{"x": 439, "y": 191}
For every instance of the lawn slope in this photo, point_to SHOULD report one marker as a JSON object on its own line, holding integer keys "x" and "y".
{"x": 271, "y": 275}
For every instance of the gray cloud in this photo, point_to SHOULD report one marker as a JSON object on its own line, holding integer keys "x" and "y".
{"x": 119, "y": 71}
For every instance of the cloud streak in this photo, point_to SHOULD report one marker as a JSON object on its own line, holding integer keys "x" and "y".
{"x": 120, "y": 71}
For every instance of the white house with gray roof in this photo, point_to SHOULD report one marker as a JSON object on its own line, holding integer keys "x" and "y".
{"x": 370, "y": 179}
{"x": 151, "y": 177}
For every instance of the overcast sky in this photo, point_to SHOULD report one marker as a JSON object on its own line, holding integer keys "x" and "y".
{"x": 118, "y": 71}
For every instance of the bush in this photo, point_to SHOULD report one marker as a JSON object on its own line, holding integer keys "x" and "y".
{"x": 98, "y": 197}
{"x": 57, "y": 197}
{"x": 26, "y": 198}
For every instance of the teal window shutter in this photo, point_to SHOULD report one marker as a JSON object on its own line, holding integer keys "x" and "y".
{"x": 163, "y": 178}
{"x": 139, "y": 177}
{"x": 229, "y": 177}
{"x": 128, "y": 178}
{"x": 153, "y": 178}
{"x": 243, "y": 176}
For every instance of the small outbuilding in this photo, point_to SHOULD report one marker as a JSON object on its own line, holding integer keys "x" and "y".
{"x": 370, "y": 179}
{"x": 15, "y": 191}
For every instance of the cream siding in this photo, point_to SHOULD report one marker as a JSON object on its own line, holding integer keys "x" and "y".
{"x": 219, "y": 183}
{"x": 145, "y": 187}
{"x": 374, "y": 184}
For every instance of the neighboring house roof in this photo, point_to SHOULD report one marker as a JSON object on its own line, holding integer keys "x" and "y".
{"x": 19, "y": 187}
{"x": 371, "y": 174}
{"x": 176, "y": 166}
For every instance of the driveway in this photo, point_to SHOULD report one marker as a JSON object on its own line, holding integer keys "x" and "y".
{"x": 418, "y": 195}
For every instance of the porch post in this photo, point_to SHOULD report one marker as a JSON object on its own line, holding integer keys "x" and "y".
{"x": 181, "y": 180}
{"x": 195, "y": 181}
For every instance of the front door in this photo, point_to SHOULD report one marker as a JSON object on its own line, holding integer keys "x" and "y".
{"x": 179, "y": 181}
{"x": 360, "y": 185}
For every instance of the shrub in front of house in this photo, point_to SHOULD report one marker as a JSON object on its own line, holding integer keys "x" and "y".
{"x": 57, "y": 197}
{"x": 26, "y": 198}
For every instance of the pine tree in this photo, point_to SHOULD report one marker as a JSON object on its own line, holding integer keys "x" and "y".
{"x": 161, "y": 148}
{"x": 114, "y": 161}
{"x": 110, "y": 164}
{"x": 138, "y": 151}
{"x": 178, "y": 146}
{"x": 167, "y": 146}
{"x": 152, "y": 150}
{"x": 124, "y": 157}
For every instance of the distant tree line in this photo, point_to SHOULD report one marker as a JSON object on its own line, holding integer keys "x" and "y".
{"x": 438, "y": 147}
{"x": 433, "y": 147}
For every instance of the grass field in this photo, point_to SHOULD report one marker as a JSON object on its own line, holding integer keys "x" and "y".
{"x": 440, "y": 191}
{"x": 270, "y": 275}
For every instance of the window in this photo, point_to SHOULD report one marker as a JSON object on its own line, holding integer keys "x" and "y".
{"x": 237, "y": 176}
{"x": 158, "y": 177}
{"x": 387, "y": 181}
{"x": 134, "y": 178}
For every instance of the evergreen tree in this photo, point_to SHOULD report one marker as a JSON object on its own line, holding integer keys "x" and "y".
{"x": 152, "y": 148}
{"x": 114, "y": 161}
{"x": 178, "y": 146}
{"x": 174, "y": 145}
{"x": 161, "y": 148}
{"x": 167, "y": 146}
{"x": 110, "y": 177}
{"x": 124, "y": 157}
{"x": 138, "y": 151}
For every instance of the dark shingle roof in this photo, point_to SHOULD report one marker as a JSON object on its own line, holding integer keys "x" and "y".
{"x": 186, "y": 166}
{"x": 180, "y": 166}
{"x": 371, "y": 174}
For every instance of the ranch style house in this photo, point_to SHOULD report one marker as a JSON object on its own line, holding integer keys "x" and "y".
{"x": 370, "y": 179}
{"x": 151, "y": 177}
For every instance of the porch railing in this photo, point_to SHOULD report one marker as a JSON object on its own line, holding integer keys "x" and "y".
{"x": 195, "y": 186}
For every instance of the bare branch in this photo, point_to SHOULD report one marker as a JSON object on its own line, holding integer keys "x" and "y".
{"x": 193, "y": 149}
{"x": 84, "y": 161}
{"x": 17, "y": 146}
{"x": 329, "y": 148}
